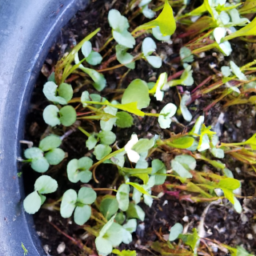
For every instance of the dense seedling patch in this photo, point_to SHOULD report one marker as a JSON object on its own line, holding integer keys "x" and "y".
{"x": 196, "y": 167}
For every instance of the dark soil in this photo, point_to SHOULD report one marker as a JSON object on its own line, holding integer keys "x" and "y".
{"x": 222, "y": 223}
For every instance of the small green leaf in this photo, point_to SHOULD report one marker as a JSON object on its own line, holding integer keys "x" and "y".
{"x": 25, "y": 249}
{"x": 33, "y": 153}
{"x": 229, "y": 183}
{"x": 101, "y": 151}
{"x": 180, "y": 169}
{"x": 192, "y": 240}
{"x": 187, "y": 161}
{"x": 40, "y": 164}
{"x": 82, "y": 214}
{"x": 50, "y": 115}
{"x": 236, "y": 70}
{"x": 183, "y": 142}
{"x": 226, "y": 71}
{"x": 137, "y": 91}
{"x": 104, "y": 247}
{"x": 86, "y": 195}
{"x": 186, "y": 55}
{"x": 124, "y": 120}
{"x": 184, "y": 110}
{"x": 67, "y": 115}
{"x": 114, "y": 234}
{"x": 91, "y": 142}
{"x": 46, "y": 184}
{"x": 134, "y": 211}
{"x": 65, "y": 91}
{"x": 123, "y": 57}
{"x": 165, "y": 21}
{"x": 140, "y": 188}
{"x": 86, "y": 48}
{"x": 68, "y": 203}
{"x": 175, "y": 231}
{"x": 32, "y": 203}
{"x": 130, "y": 225}
{"x": 166, "y": 114}
{"x": 94, "y": 58}
{"x": 124, "y": 252}
{"x": 50, "y": 91}
{"x": 50, "y": 142}
{"x": 108, "y": 206}
{"x": 107, "y": 137}
{"x": 117, "y": 21}
{"x": 143, "y": 145}
{"x": 148, "y": 47}
{"x": 122, "y": 197}
{"x": 218, "y": 152}
{"x": 159, "y": 36}
{"x": 55, "y": 156}
{"x": 158, "y": 167}
{"x": 124, "y": 38}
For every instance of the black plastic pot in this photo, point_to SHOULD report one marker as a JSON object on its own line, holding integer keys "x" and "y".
{"x": 27, "y": 30}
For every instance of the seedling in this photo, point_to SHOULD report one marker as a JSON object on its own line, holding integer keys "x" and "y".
{"x": 80, "y": 203}
{"x": 46, "y": 154}
{"x": 43, "y": 185}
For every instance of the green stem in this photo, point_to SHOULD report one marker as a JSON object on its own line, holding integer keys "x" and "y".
{"x": 107, "y": 157}
{"x": 83, "y": 131}
{"x": 106, "y": 44}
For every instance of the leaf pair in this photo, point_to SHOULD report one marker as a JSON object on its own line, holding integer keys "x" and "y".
{"x": 43, "y": 185}
{"x": 119, "y": 25}
{"x": 54, "y": 116}
{"x": 80, "y": 203}
{"x": 46, "y": 154}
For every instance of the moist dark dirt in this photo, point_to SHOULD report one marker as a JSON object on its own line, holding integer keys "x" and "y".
{"x": 222, "y": 223}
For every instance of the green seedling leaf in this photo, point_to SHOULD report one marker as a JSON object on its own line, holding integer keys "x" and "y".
{"x": 26, "y": 251}
{"x": 67, "y": 115}
{"x": 124, "y": 38}
{"x": 196, "y": 130}
{"x": 184, "y": 110}
{"x": 107, "y": 137}
{"x": 148, "y": 13}
{"x": 40, "y": 164}
{"x": 123, "y": 57}
{"x": 236, "y": 70}
{"x": 130, "y": 225}
{"x": 50, "y": 142}
{"x": 134, "y": 211}
{"x": 183, "y": 142}
{"x": 68, "y": 203}
{"x": 191, "y": 240}
{"x": 166, "y": 114}
{"x": 55, "y": 156}
{"x": 117, "y": 21}
{"x": 99, "y": 80}
{"x": 101, "y": 151}
{"x": 33, "y": 153}
{"x": 114, "y": 234}
{"x": 137, "y": 91}
{"x": 50, "y": 115}
{"x": 236, "y": 19}
{"x": 86, "y": 48}
{"x": 248, "y": 30}
{"x": 45, "y": 184}
{"x": 229, "y": 183}
{"x": 143, "y": 145}
{"x": 120, "y": 218}
{"x": 108, "y": 206}
{"x": 140, "y": 188}
{"x": 79, "y": 170}
{"x": 183, "y": 164}
{"x": 226, "y": 71}
{"x": 107, "y": 125}
{"x": 159, "y": 36}
{"x": 158, "y": 167}
{"x": 82, "y": 214}
{"x": 175, "y": 231}
{"x": 124, "y": 252}
{"x": 165, "y": 21}
{"x": 64, "y": 92}
{"x": 218, "y": 152}
{"x": 251, "y": 142}
{"x": 32, "y": 203}
{"x": 91, "y": 142}
{"x": 104, "y": 247}
{"x": 122, "y": 197}
{"x": 242, "y": 252}
{"x": 186, "y": 55}
{"x": 86, "y": 195}
{"x": 124, "y": 120}
{"x": 148, "y": 47}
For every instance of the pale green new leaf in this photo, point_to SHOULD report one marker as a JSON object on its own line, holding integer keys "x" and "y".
{"x": 32, "y": 203}
{"x": 175, "y": 231}
{"x": 122, "y": 197}
{"x": 45, "y": 184}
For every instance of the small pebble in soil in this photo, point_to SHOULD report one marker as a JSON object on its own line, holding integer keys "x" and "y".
{"x": 238, "y": 123}
{"x": 249, "y": 236}
{"x": 185, "y": 219}
{"x": 61, "y": 248}
{"x": 46, "y": 249}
